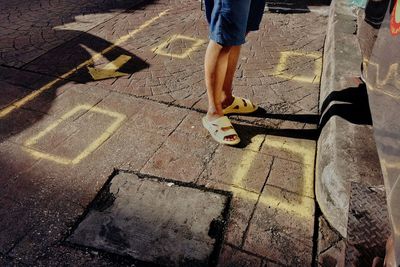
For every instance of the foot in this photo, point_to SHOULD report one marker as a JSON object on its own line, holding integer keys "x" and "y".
{"x": 221, "y": 129}
{"x": 228, "y": 101}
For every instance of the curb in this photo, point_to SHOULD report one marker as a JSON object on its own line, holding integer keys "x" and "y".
{"x": 346, "y": 150}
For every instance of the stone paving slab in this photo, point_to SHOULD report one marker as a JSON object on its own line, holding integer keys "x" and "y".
{"x": 179, "y": 161}
{"x": 234, "y": 257}
{"x": 154, "y": 221}
{"x": 279, "y": 228}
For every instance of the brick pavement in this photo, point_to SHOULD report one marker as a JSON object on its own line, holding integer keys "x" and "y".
{"x": 60, "y": 146}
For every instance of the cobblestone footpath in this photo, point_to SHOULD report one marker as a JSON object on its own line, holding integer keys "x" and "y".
{"x": 92, "y": 86}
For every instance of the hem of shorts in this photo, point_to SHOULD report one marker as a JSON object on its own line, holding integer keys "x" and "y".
{"x": 220, "y": 41}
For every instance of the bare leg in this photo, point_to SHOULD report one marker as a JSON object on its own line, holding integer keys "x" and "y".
{"x": 216, "y": 64}
{"x": 230, "y": 73}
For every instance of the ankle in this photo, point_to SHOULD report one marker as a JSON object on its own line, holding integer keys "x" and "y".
{"x": 227, "y": 101}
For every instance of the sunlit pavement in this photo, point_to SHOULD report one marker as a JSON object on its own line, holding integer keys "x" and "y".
{"x": 96, "y": 89}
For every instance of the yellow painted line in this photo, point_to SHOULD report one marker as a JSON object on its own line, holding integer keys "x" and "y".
{"x": 109, "y": 70}
{"x": 382, "y": 82}
{"x": 280, "y": 70}
{"x": 305, "y": 208}
{"x": 247, "y": 160}
{"x": 305, "y": 152}
{"x": 119, "y": 118}
{"x": 95, "y": 57}
{"x": 160, "y": 49}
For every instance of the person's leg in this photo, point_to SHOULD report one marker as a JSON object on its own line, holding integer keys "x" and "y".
{"x": 215, "y": 65}
{"x": 230, "y": 73}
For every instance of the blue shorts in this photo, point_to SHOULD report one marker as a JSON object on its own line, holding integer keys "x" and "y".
{"x": 230, "y": 20}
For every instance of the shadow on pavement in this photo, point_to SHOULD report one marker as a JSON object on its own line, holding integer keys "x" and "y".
{"x": 28, "y": 202}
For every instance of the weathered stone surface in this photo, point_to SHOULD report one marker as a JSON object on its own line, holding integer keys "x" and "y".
{"x": 282, "y": 228}
{"x": 240, "y": 168}
{"x": 179, "y": 161}
{"x": 232, "y": 257}
{"x": 153, "y": 221}
{"x": 346, "y": 150}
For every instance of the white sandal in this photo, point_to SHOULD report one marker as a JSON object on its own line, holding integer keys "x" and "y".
{"x": 216, "y": 129}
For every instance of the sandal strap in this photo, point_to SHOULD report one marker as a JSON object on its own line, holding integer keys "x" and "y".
{"x": 222, "y": 122}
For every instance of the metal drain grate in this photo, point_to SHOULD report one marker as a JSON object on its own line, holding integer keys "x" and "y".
{"x": 368, "y": 226}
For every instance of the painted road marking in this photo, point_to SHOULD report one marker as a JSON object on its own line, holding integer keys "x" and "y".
{"x": 109, "y": 70}
{"x": 391, "y": 77}
{"x": 119, "y": 118}
{"x": 161, "y": 48}
{"x": 281, "y": 68}
{"x": 305, "y": 207}
{"x": 119, "y": 41}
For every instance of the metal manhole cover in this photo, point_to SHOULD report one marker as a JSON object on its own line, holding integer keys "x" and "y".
{"x": 155, "y": 221}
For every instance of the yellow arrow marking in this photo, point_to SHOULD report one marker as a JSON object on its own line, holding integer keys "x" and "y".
{"x": 4, "y": 112}
{"x": 110, "y": 70}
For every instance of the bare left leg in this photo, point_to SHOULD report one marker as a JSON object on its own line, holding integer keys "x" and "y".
{"x": 230, "y": 73}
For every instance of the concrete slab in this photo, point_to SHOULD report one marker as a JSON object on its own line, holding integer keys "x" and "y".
{"x": 241, "y": 210}
{"x": 239, "y": 167}
{"x": 279, "y": 230}
{"x": 231, "y": 257}
{"x": 177, "y": 160}
{"x": 154, "y": 221}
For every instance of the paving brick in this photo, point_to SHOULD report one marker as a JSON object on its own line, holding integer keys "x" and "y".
{"x": 241, "y": 168}
{"x": 192, "y": 125}
{"x": 158, "y": 118}
{"x": 25, "y": 79}
{"x": 282, "y": 228}
{"x": 14, "y": 224}
{"x": 294, "y": 149}
{"x": 179, "y": 161}
{"x": 293, "y": 177}
{"x": 50, "y": 140}
{"x": 129, "y": 149}
{"x": 49, "y": 230}
{"x": 13, "y": 161}
{"x": 232, "y": 257}
{"x": 241, "y": 209}
{"x": 11, "y": 93}
{"x": 72, "y": 95}
{"x": 17, "y": 122}
{"x": 32, "y": 35}
{"x": 268, "y": 263}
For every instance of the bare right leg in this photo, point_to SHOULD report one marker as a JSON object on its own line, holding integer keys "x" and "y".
{"x": 216, "y": 64}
